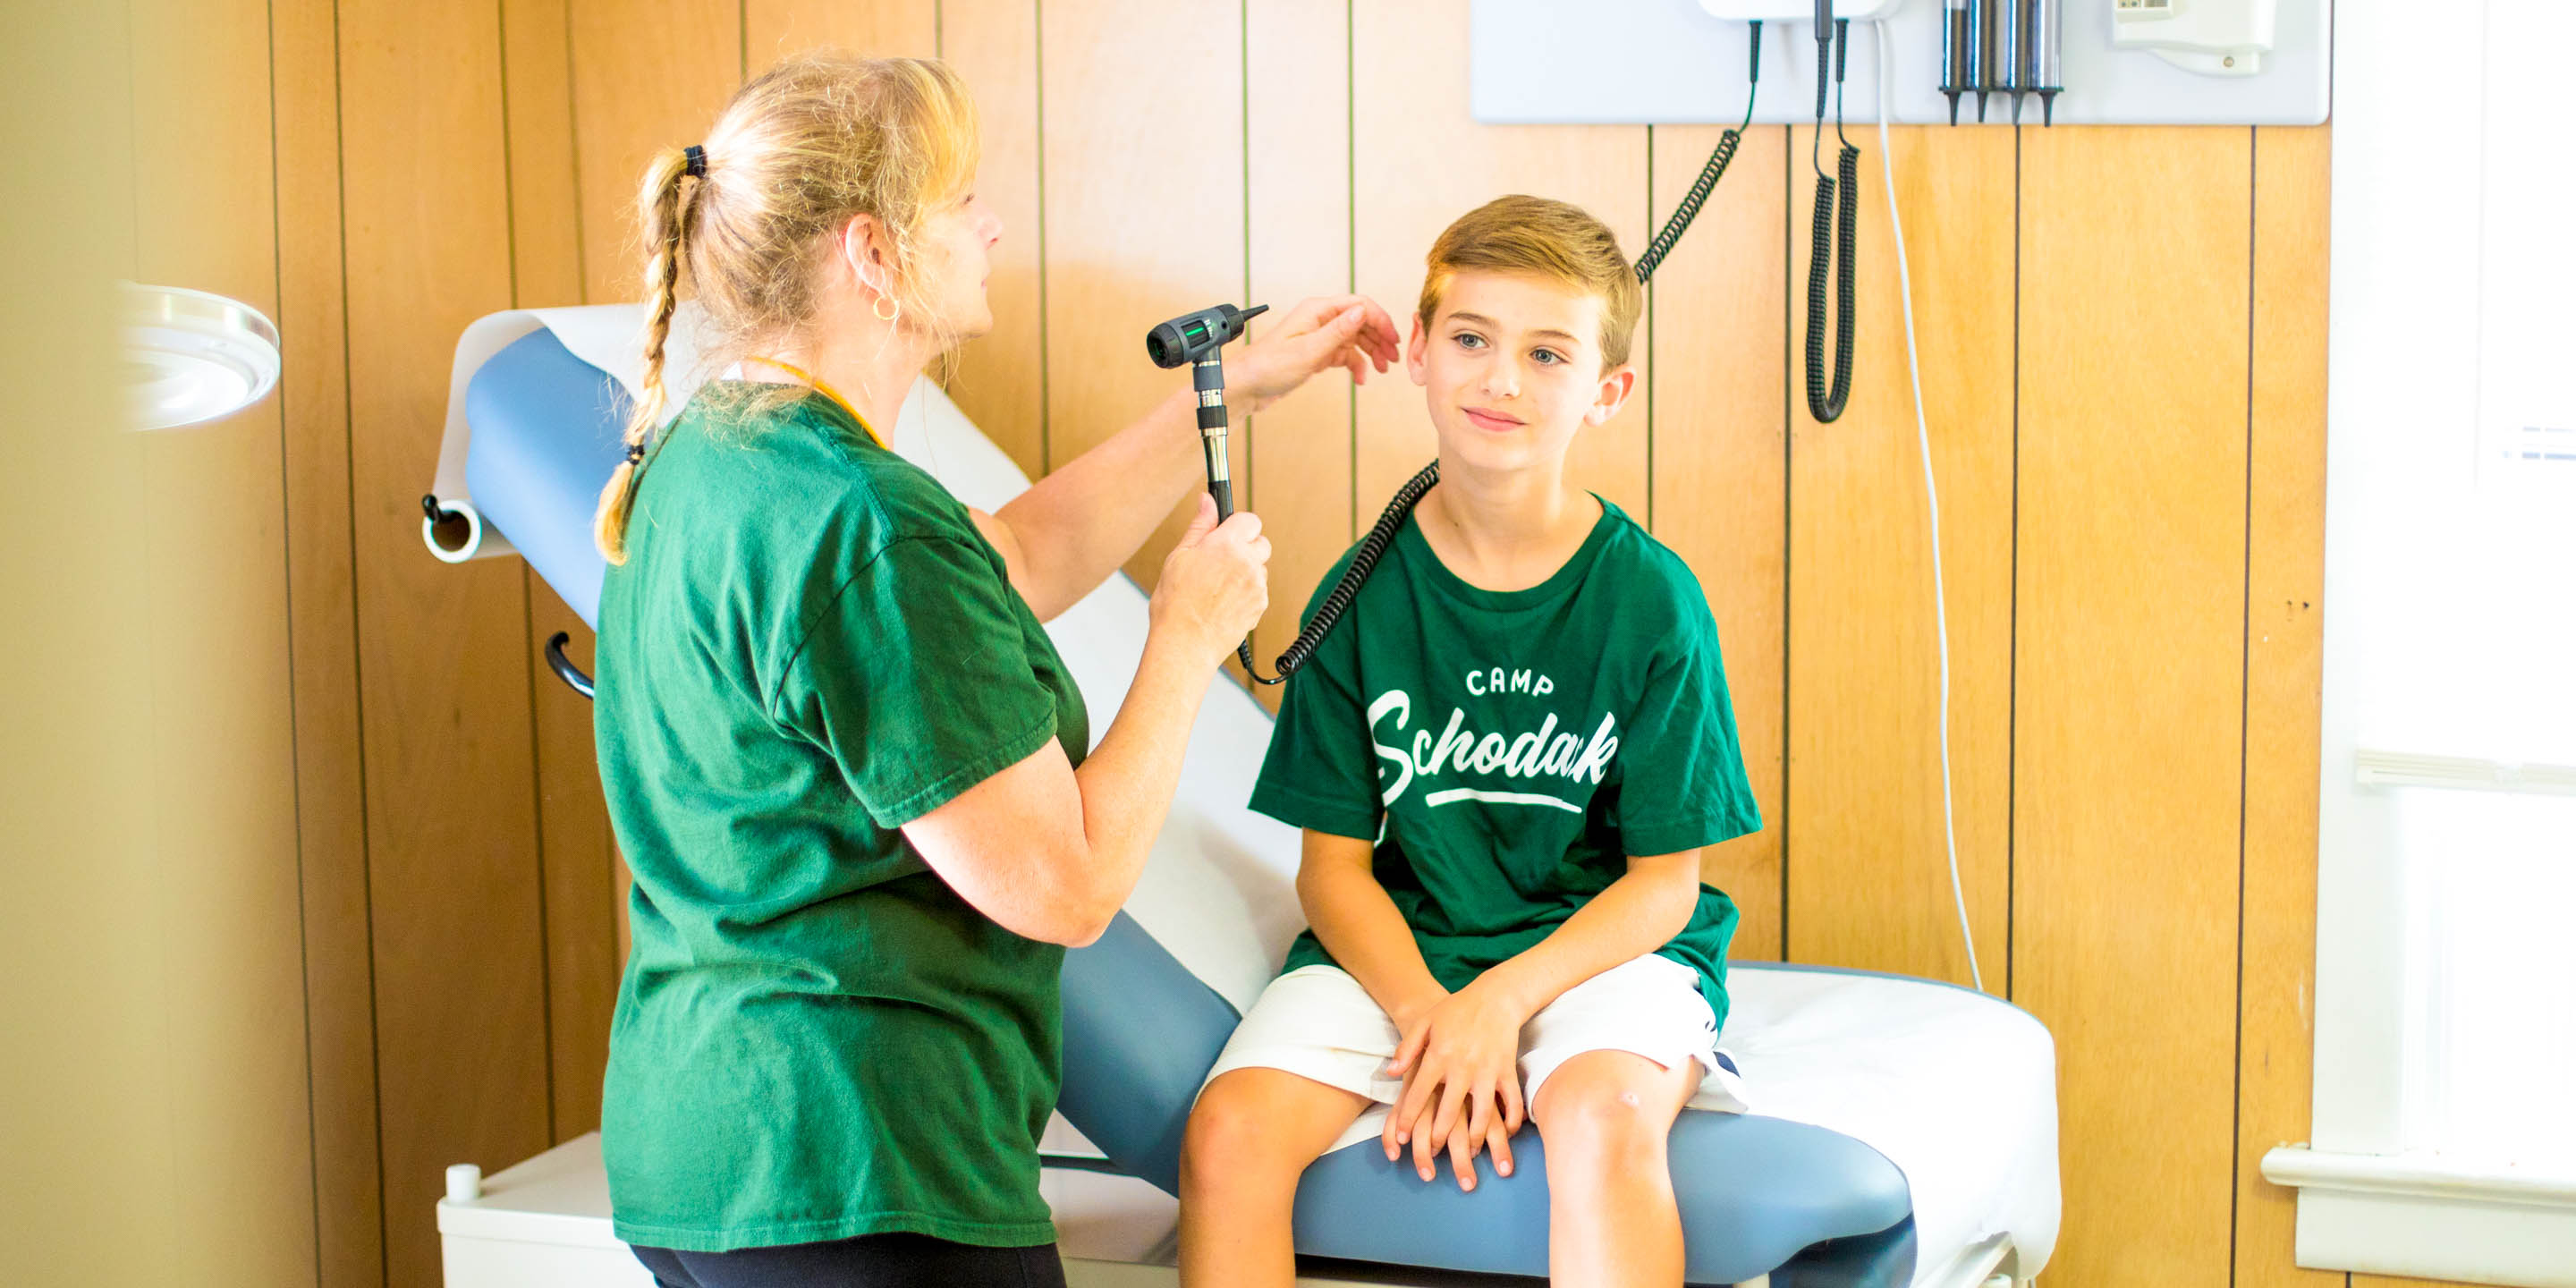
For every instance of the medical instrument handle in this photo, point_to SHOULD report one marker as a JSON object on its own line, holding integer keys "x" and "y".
{"x": 564, "y": 669}
{"x": 1207, "y": 380}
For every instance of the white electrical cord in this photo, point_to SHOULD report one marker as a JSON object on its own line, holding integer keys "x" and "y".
{"x": 1923, "y": 436}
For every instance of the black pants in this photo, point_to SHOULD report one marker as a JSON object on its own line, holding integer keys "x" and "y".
{"x": 869, "y": 1261}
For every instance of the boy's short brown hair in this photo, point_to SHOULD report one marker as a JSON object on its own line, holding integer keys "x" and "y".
{"x": 1546, "y": 239}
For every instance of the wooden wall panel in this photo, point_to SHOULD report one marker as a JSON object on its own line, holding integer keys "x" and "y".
{"x": 1154, "y": 228}
{"x": 1001, "y": 378}
{"x": 1719, "y": 462}
{"x": 321, "y": 569}
{"x": 2130, "y": 669}
{"x": 646, "y": 75}
{"x": 1418, "y": 162}
{"x": 1869, "y": 877}
{"x": 1298, "y": 140}
{"x": 452, "y": 830}
{"x": 220, "y": 766}
{"x": 577, "y": 855}
{"x": 2284, "y": 639}
{"x": 773, "y": 29}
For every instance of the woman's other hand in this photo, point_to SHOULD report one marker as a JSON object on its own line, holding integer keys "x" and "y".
{"x": 1348, "y": 331}
{"x": 1215, "y": 583}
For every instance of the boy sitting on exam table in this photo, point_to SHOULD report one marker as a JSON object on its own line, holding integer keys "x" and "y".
{"x": 1506, "y": 760}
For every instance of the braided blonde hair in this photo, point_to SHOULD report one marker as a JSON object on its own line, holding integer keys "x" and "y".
{"x": 800, "y": 151}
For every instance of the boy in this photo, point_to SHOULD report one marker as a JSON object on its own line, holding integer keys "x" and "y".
{"x": 1506, "y": 760}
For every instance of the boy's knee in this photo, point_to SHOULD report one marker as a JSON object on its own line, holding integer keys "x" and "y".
{"x": 1231, "y": 1133}
{"x": 1602, "y": 1121}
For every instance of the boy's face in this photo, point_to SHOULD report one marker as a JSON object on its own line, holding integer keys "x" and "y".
{"x": 1511, "y": 368}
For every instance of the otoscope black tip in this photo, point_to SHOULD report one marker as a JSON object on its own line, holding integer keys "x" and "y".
{"x": 2016, "y": 108}
{"x": 1954, "y": 105}
{"x": 1981, "y": 107}
{"x": 2048, "y": 107}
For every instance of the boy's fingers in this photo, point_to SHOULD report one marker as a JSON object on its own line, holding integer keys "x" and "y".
{"x": 1462, "y": 1159}
{"x": 1452, "y": 1105}
{"x": 1425, "y": 1147}
{"x": 1512, "y": 1108}
{"x": 1480, "y": 1114}
{"x": 1500, "y": 1142}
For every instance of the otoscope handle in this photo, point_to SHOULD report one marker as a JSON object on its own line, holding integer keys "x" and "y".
{"x": 1207, "y": 379}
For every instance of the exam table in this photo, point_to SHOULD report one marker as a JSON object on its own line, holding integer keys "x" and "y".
{"x": 1901, "y": 1132}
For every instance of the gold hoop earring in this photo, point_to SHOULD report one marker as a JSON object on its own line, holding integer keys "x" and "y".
{"x": 878, "y": 308}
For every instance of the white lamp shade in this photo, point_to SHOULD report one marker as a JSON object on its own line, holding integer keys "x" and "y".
{"x": 192, "y": 357}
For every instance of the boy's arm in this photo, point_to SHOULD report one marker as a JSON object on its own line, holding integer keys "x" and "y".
{"x": 1359, "y": 925}
{"x": 1639, "y": 913}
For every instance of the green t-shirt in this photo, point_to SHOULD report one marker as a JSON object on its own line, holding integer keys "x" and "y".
{"x": 1510, "y": 750}
{"x": 808, "y": 646}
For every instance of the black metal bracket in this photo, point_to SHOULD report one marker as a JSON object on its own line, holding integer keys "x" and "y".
{"x": 564, "y": 669}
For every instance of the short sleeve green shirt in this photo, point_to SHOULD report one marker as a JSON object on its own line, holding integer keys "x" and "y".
{"x": 810, "y": 645}
{"x": 1509, "y": 751}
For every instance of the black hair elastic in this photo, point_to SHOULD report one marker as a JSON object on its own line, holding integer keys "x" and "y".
{"x": 697, "y": 161}
{"x": 634, "y": 453}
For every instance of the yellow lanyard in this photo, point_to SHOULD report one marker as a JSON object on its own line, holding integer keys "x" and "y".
{"x": 828, "y": 392}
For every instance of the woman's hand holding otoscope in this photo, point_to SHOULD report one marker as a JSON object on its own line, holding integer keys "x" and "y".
{"x": 1349, "y": 331}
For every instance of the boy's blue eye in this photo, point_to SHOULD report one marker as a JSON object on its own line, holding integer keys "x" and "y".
{"x": 1470, "y": 340}
{"x": 1550, "y": 357}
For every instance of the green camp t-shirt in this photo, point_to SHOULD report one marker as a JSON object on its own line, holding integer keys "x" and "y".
{"x": 808, "y": 646}
{"x": 1510, "y": 750}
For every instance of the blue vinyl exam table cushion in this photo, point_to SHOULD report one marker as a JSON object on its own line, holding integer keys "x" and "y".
{"x": 1140, "y": 1031}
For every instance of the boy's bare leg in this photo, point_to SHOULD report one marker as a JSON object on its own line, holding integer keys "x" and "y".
{"x": 1604, "y": 1116}
{"x": 1250, "y": 1138}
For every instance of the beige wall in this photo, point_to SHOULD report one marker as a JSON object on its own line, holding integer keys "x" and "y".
{"x": 322, "y": 899}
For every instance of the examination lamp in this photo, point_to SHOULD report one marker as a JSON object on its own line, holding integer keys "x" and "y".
{"x": 191, "y": 357}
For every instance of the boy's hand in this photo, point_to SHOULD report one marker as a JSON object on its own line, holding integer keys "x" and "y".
{"x": 1460, "y": 1062}
{"x": 1348, "y": 331}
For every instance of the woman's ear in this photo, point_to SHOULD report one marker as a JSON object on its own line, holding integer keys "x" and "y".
{"x": 1616, "y": 384}
{"x": 865, "y": 253}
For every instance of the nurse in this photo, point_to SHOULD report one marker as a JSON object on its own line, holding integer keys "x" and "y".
{"x": 843, "y": 761}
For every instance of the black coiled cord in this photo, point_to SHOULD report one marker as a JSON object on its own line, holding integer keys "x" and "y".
{"x": 1832, "y": 250}
{"x": 1381, "y": 534}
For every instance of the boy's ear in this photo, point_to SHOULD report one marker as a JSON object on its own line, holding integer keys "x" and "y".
{"x": 1616, "y": 384}
{"x": 1417, "y": 351}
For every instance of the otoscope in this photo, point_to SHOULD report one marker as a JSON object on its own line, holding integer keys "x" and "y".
{"x": 1199, "y": 340}
{"x": 1196, "y": 337}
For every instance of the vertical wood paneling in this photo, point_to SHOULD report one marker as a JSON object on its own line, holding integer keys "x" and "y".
{"x": 2131, "y": 601}
{"x": 221, "y": 763}
{"x": 1297, "y": 141}
{"x": 1154, "y": 227}
{"x": 877, "y": 29}
{"x": 1418, "y": 162}
{"x": 1720, "y": 463}
{"x": 1869, "y": 878}
{"x": 1000, "y": 380}
{"x": 576, "y": 853}
{"x": 2284, "y": 639}
{"x": 330, "y": 766}
{"x": 646, "y": 75}
{"x": 452, "y": 831}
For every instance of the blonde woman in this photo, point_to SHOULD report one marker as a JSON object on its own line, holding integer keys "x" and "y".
{"x": 843, "y": 761}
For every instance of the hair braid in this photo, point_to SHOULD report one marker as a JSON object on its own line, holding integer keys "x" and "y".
{"x": 666, "y": 234}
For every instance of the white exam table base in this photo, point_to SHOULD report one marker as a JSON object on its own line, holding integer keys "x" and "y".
{"x": 544, "y": 1224}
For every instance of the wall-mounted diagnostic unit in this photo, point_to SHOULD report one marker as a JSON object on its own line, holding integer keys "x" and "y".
{"x": 2126, "y": 62}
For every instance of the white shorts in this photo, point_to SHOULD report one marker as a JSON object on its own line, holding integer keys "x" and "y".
{"x": 1318, "y": 1023}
